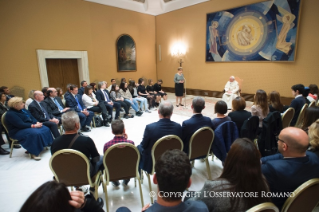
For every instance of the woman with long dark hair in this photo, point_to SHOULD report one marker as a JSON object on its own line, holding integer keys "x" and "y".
{"x": 241, "y": 175}
{"x": 260, "y": 107}
{"x": 275, "y": 103}
{"x": 311, "y": 115}
{"x": 141, "y": 91}
{"x": 128, "y": 98}
{"x": 117, "y": 97}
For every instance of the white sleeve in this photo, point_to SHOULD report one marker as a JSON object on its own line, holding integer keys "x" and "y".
{"x": 87, "y": 101}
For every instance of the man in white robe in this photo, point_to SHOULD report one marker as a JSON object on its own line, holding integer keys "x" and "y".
{"x": 231, "y": 91}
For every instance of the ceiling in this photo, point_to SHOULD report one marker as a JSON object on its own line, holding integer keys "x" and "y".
{"x": 151, "y": 7}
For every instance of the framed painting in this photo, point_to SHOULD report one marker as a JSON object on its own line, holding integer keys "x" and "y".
{"x": 125, "y": 53}
{"x": 265, "y": 31}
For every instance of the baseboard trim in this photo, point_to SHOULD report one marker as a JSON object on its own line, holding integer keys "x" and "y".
{"x": 219, "y": 94}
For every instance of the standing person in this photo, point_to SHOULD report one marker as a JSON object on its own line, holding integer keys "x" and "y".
{"x": 120, "y": 136}
{"x": 260, "y": 107}
{"x": 133, "y": 90}
{"x": 231, "y": 91}
{"x": 179, "y": 86}
{"x": 298, "y": 102}
{"x": 128, "y": 98}
{"x": 92, "y": 104}
{"x": 6, "y": 91}
{"x": 83, "y": 85}
{"x": 158, "y": 89}
{"x": 141, "y": 90}
{"x": 150, "y": 90}
{"x": 275, "y": 103}
{"x": 117, "y": 97}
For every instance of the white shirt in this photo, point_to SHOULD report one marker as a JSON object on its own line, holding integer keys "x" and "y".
{"x": 298, "y": 96}
{"x": 28, "y": 102}
{"x": 88, "y": 102}
{"x": 232, "y": 86}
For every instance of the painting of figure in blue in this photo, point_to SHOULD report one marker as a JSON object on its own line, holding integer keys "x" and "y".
{"x": 265, "y": 31}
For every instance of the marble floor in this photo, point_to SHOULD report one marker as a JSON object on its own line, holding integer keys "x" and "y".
{"x": 20, "y": 176}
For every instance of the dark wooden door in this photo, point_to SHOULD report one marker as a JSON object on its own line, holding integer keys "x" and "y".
{"x": 62, "y": 72}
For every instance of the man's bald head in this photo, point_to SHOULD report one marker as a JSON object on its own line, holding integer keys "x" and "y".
{"x": 296, "y": 140}
{"x": 38, "y": 95}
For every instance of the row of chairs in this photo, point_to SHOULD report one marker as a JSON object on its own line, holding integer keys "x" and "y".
{"x": 305, "y": 198}
{"x": 121, "y": 161}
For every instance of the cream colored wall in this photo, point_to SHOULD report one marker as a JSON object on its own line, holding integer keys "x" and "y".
{"x": 189, "y": 24}
{"x": 70, "y": 25}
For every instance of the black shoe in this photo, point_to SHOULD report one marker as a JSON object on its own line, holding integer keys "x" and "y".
{"x": 105, "y": 123}
{"x": 131, "y": 116}
{"x": 100, "y": 202}
{"x": 138, "y": 113}
{"x": 177, "y": 105}
{"x": 84, "y": 129}
{"x": 3, "y": 152}
{"x": 125, "y": 182}
{"x": 126, "y": 116}
{"x": 116, "y": 183}
{"x": 16, "y": 146}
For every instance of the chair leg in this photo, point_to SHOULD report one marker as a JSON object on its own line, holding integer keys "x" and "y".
{"x": 193, "y": 163}
{"x": 94, "y": 122}
{"x": 208, "y": 169}
{"x": 213, "y": 157}
{"x": 12, "y": 144}
{"x": 149, "y": 184}
{"x": 141, "y": 194}
{"x": 142, "y": 176}
{"x": 106, "y": 199}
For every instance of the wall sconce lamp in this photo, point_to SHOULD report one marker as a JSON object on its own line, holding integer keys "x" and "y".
{"x": 178, "y": 50}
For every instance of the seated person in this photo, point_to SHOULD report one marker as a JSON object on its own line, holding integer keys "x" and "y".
{"x": 231, "y": 91}
{"x": 141, "y": 91}
{"x": 53, "y": 104}
{"x": 155, "y": 131}
{"x": 151, "y": 91}
{"x": 221, "y": 110}
{"x": 313, "y": 134}
{"x": 92, "y": 104}
{"x": 275, "y": 103}
{"x": 173, "y": 172}
{"x": 84, "y": 144}
{"x": 23, "y": 127}
{"x": 123, "y": 80}
{"x": 120, "y": 137}
{"x": 239, "y": 115}
{"x": 305, "y": 94}
{"x": 93, "y": 84}
{"x": 126, "y": 94}
{"x": 190, "y": 126}
{"x": 158, "y": 89}
{"x": 260, "y": 107}
{"x": 117, "y": 97}
{"x": 60, "y": 96}
{"x": 38, "y": 111}
{"x": 293, "y": 166}
{"x": 44, "y": 91}
{"x": 298, "y": 102}
{"x": 313, "y": 93}
{"x": 74, "y": 101}
{"x": 133, "y": 90}
{"x": 53, "y": 196}
{"x": 113, "y": 82}
{"x": 102, "y": 95}
{"x": 243, "y": 157}
{"x": 3, "y": 109}
{"x": 6, "y": 91}
{"x": 310, "y": 116}
{"x": 29, "y": 100}
{"x": 83, "y": 86}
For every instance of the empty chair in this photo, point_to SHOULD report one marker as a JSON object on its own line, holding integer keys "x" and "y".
{"x": 160, "y": 146}
{"x": 200, "y": 145}
{"x": 287, "y": 117}
{"x": 264, "y": 207}
{"x": 121, "y": 161}
{"x": 305, "y": 198}
{"x": 301, "y": 116}
{"x": 73, "y": 169}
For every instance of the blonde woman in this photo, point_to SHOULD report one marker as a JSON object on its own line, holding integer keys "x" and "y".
{"x": 313, "y": 134}
{"x": 30, "y": 99}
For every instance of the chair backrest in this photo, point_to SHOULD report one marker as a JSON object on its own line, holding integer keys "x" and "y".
{"x": 3, "y": 121}
{"x": 304, "y": 198}
{"x": 163, "y": 144}
{"x": 71, "y": 167}
{"x": 312, "y": 104}
{"x": 264, "y": 207}
{"x": 240, "y": 82}
{"x": 250, "y": 128}
{"x": 301, "y": 116}
{"x": 201, "y": 142}
{"x": 17, "y": 91}
{"x": 121, "y": 161}
{"x": 287, "y": 117}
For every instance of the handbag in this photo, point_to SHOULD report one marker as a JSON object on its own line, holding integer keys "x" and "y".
{"x": 98, "y": 121}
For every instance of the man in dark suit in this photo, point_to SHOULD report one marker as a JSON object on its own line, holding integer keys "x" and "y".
{"x": 286, "y": 171}
{"x": 38, "y": 111}
{"x": 6, "y": 91}
{"x": 102, "y": 95}
{"x": 298, "y": 102}
{"x": 53, "y": 104}
{"x": 74, "y": 101}
{"x": 195, "y": 122}
{"x": 155, "y": 131}
{"x": 83, "y": 85}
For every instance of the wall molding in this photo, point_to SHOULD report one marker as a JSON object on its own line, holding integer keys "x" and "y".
{"x": 81, "y": 56}
{"x": 219, "y": 94}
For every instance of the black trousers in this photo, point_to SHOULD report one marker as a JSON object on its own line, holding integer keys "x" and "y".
{"x": 1, "y": 139}
{"x": 126, "y": 105}
{"x": 110, "y": 109}
{"x": 100, "y": 108}
{"x": 53, "y": 127}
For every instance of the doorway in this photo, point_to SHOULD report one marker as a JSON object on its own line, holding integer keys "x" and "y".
{"x": 62, "y": 72}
